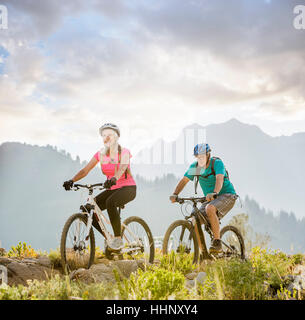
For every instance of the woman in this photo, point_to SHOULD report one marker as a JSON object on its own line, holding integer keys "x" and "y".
{"x": 115, "y": 164}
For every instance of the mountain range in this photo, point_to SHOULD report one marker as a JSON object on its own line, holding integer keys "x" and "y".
{"x": 266, "y": 172}
{"x": 268, "y": 169}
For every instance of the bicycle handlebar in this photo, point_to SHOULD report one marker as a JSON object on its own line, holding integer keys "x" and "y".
{"x": 193, "y": 199}
{"x": 88, "y": 186}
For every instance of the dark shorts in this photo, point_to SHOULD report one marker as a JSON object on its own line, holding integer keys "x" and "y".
{"x": 223, "y": 203}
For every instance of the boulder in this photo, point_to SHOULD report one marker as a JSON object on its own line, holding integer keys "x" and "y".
{"x": 189, "y": 283}
{"x": 44, "y": 261}
{"x": 191, "y": 276}
{"x": 194, "y": 278}
{"x": 201, "y": 277}
{"x": 21, "y": 270}
{"x": 297, "y": 284}
{"x": 105, "y": 272}
{"x": 143, "y": 264}
{"x": 126, "y": 266}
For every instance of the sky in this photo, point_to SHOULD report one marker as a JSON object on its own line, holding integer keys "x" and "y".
{"x": 151, "y": 67}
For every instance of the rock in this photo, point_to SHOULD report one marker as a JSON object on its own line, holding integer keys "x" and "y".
{"x": 5, "y": 261}
{"x": 191, "y": 276}
{"x": 189, "y": 283}
{"x": 29, "y": 260}
{"x": 201, "y": 277}
{"x": 143, "y": 264}
{"x": 91, "y": 276}
{"x": 103, "y": 261}
{"x": 105, "y": 273}
{"x": 299, "y": 269}
{"x": 126, "y": 266}
{"x": 194, "y": 278}
{"x": 19, "y": 271}
{"x": 298, "y": 284}
{"x": 44, "y": 261}
{"x": 100, "y": 268}
{"x": 88, "y": 277}
{"x": 2, "y": 252}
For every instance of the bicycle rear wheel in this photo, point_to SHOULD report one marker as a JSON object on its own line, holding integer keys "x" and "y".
{"x": 138, "y": 239}
{"x": 180, "y": 238}
{"x": 232, "y": 243}
{"x": 76, "y": 251}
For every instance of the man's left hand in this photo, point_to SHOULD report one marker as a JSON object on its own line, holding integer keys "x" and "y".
{"x": 211, "y": 196}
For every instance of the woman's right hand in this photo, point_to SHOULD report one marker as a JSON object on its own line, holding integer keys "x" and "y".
{"x": 68, "y": 184}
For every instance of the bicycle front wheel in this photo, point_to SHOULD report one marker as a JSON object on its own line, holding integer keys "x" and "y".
{"x": 180, "y": 238}
{"x": 138, "y": 239}
{"x": 76, "y": 250}
{"x": 232, "y": 243}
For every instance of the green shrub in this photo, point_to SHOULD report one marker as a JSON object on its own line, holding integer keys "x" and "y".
{"x": 153, "y": 284}
{"x": 22, "y": 250}
{"x": 225, "y": 279}
{"x": 285, "y": 294}
{"x": 270, "y": 265}
{"x": 297, "y": 259}
{"x": 234, "y": 280}
{"x": 55, "y": 258}
{"x": 181, "y": 262}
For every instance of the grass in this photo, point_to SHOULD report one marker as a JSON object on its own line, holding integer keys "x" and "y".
{"x": 261, "y": 277}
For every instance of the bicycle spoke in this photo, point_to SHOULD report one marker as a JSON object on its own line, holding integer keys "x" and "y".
{"x": 136, "y": 237}
{"x": 231, "y": 245}
{"x": 180, "y": 240}
{"x": 77, "y": 252}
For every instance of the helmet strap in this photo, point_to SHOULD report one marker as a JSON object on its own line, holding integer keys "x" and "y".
{"x": 207, "y": 161}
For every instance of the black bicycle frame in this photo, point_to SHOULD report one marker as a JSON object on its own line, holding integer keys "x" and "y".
{"x": 195, "y": 213}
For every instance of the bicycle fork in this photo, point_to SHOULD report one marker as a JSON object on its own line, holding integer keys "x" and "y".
{"x": 89, "y": 224}
{"x": 203, "y": 247}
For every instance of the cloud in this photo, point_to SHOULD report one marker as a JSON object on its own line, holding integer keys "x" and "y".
{"x": 287, "y": 107}
{"x": 146, "y": 64}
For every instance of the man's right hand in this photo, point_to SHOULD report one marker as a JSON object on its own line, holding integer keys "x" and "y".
{"x": 173, "y": 198}
{"x": 68, "y": 184}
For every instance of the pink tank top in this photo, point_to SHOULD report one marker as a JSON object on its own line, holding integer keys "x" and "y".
{"x": 108, "y": 169}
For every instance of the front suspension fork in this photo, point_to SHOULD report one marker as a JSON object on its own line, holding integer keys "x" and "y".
{"x": 204, "y": 251}
{"x": 89, "y": 224}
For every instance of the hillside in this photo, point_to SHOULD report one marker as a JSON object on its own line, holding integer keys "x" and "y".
{"x": 268, "y": 169}
{"x": 34, "y": 206}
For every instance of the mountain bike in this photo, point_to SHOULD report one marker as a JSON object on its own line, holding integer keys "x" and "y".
{"x": 180, "y": 236}
{"x": 77, "y": 246}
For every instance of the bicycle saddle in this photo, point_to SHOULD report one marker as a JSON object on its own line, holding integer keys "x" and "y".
{"x": 122, "y": 206}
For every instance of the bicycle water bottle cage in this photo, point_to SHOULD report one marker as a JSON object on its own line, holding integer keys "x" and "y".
{"x": 87, "y": 207}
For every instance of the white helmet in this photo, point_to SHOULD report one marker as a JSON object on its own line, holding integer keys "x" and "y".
{"x": 110, "y": 126}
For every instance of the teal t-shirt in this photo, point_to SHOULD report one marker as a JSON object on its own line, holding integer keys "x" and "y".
{"x": 208, "y": 184}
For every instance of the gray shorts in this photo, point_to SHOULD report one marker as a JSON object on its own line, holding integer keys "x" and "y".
{"x": 223, "y": 203}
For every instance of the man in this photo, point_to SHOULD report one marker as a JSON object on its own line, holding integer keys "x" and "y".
{"x": 214, "y": 180}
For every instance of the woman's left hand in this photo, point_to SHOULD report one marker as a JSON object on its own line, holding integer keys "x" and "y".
{"x": 109, "y": 183}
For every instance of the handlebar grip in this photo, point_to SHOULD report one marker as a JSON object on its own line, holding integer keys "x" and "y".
{"x": 180, "y": 200}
